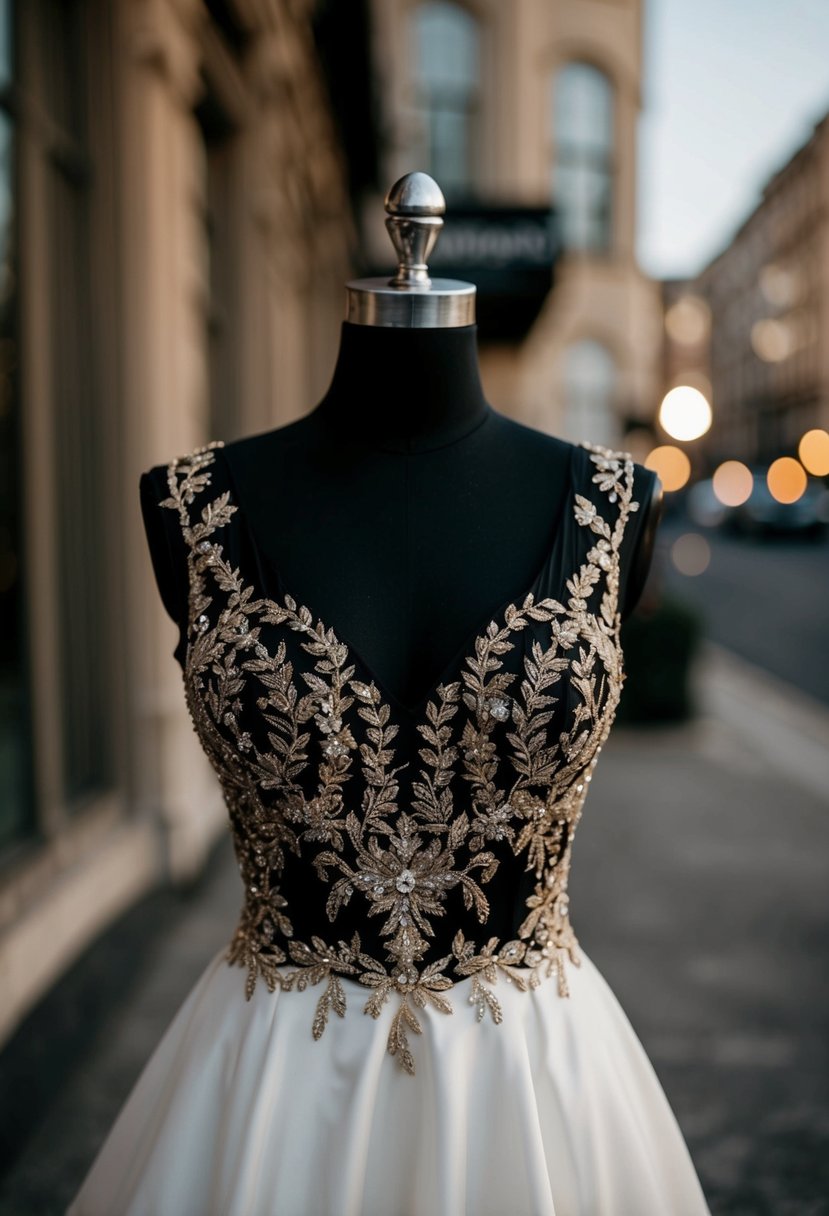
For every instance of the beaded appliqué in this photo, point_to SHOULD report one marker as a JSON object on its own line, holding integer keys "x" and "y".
{"x": 401, "y": 862}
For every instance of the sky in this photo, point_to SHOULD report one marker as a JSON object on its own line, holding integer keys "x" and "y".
{"x": 731, "y": 88}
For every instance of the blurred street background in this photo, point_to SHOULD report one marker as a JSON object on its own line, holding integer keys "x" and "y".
{"x": 639, "y": 190}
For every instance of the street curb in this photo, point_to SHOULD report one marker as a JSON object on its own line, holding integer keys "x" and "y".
{"x": 790, "y": 727}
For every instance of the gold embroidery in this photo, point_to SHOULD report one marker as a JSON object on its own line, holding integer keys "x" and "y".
{"x": 402, "y": 861}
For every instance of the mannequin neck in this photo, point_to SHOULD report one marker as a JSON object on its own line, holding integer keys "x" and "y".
{"x": 405, "y": 390}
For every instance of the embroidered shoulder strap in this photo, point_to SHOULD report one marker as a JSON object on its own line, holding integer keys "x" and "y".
{"x": 613, "y": 477}
{"x": 187, "y": 477}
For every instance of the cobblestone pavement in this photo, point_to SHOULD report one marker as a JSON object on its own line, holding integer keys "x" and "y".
{"x": 699, "y": 881}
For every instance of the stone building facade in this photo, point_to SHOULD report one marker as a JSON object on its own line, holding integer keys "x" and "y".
{"x": 768, "y": 295}
{"x": 185, "y": 185}
{"x": 175, "y": 230}
{"x": 528, "y": 104}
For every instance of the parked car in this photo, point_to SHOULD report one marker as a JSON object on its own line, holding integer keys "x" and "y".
{"x": 761, "y": 514}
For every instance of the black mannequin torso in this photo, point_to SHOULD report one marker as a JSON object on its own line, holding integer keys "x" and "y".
{"x": 403, "y": 510}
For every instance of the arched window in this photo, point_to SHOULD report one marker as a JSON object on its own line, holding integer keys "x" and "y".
{"x": 583, "y": 156}
{"x": 445, "y": 47}
{"x": 589, "y": 391}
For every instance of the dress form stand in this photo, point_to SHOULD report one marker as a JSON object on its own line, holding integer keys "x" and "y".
{"x": 403, "y": 509}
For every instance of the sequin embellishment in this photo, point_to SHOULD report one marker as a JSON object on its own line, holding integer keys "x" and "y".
{"x": 309, "y": 771}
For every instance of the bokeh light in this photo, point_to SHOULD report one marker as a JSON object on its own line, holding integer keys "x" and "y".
{"x": 786, "y": 479}
{"x": 684, "y": 413}
{"x": 732, "y": 483}
{"x": 772, "y": 340}
{"x": 691, "y": 553}
{"x": 779, "y": 284}
{"x": 813, "y": 451}
{"x": 670, "y": 464}
{"x": 688, "y": 320}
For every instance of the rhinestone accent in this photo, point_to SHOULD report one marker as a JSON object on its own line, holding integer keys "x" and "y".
{"x": 499, "y": 708}
{"x": 405, "y": 881}
{"x": 333, "y": 747}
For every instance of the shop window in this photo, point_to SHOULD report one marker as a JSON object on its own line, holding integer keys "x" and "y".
{"x": 582, "y": 186}
{"x": 445, "y": 45}
{"x": 83, "y": 622}
{"x": 16, "y": 803}
{"x": 221, "y": 210}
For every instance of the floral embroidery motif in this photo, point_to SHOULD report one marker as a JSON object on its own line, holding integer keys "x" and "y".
{"x": 305, "y": 756}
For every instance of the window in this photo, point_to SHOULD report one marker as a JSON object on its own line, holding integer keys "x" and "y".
{"x": 16, "y": 803}
{"x": 583, "y": 153}
{"x": 83, "y": 620}
{"x": 446, "y": 70}
{"x": 589, "y": 391}
{"x": 220, "y": 177}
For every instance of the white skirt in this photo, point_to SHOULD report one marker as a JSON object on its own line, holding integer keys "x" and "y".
{"x": 556, "y": 1111}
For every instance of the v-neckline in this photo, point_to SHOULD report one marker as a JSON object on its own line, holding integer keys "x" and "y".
{"x": 469, "y": 644}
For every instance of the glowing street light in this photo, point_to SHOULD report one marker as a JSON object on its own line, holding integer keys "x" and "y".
{"x": 684, "y": 413}
{"x": 671, "y": 465}
{"x": 732, "y": 483}
{"x": 813, "y": 451}
{"x": 786, "y": 479}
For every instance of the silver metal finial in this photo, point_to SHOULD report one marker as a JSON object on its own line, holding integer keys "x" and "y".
{"x": 415, "y": 207}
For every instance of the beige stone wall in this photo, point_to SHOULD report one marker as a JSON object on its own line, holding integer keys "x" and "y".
{"x": 287, "y": 238}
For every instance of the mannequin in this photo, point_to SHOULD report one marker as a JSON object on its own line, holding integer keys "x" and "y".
{"x": 402, "y": 815}
{"x": 403, "y": 510}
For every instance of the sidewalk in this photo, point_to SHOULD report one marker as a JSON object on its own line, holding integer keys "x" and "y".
{"x": 698, "y": 888}
{"x": 700, "y": 891}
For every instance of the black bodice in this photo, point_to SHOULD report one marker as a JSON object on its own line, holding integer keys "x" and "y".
{"x": 407, "y": 848}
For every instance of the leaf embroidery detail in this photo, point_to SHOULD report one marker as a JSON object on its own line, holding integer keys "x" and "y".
{"x": 304, "y": 745}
